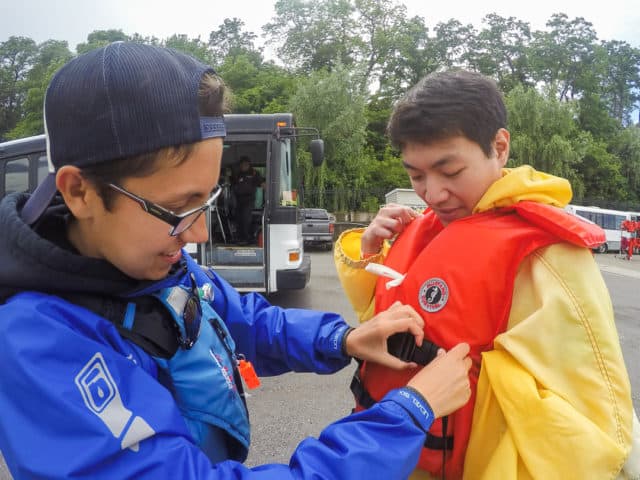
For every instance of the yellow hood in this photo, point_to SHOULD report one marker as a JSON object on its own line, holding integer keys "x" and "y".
{"x": 525, "y": 183}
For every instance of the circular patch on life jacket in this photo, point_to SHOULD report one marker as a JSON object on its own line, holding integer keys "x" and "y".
{"x": 433, "y": 295}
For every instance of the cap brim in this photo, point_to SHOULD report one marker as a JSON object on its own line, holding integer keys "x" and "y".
{"x": 39, "y": 200}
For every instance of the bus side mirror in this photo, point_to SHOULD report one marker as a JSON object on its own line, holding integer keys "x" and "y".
{"x": 317, "y": 151}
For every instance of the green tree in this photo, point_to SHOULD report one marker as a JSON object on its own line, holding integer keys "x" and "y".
{"x": 621, "y": 84}
{"x": 51, "y": 55}
{"x": 313, "y": 34}
{"x": 230, "y": 41}
{"x": 386, "y": 173}
{"x": 500, "y": 50}
{"x": 382, "y": 30}
{"x": 257, "y": 87}
{"x": 626, "y": 146}
{"x": 544, "y": 135}
{"x": 136, "y": 37}
{"x": 594, "y": 117}
{"x": 366, "y": 36}
{"x": 564, "y": 55}
{"x": 17, "y": 56}
{"x": 191, "y": 46}
{"x": 377, "y": 114}
{"x": 601, "y": 171}
{"x": 331, "y": 102}
{"x": 414, "y": 55}
{"x": 101, "y": 38}
{"x": 451, "y": 43}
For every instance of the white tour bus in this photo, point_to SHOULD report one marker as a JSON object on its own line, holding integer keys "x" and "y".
{"x": 609, "y": 220}
{"x": 274, "y": 259}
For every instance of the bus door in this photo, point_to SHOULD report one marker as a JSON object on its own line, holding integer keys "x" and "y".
{"x": 240, "y": 261}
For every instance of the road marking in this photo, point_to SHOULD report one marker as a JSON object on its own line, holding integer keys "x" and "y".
{"x": 626, "y": 272}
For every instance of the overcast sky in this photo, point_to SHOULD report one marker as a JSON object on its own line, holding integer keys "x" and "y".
{"x": 73, "y": 20}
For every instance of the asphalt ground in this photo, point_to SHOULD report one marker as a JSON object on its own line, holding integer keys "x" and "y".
{"x": 618, "y": 264}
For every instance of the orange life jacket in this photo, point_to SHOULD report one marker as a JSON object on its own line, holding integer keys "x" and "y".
{"x": 460, "y": 279}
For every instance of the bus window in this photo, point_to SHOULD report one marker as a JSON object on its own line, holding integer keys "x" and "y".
{"x": 43, "y": 168}
{"x": 588, "y": 215}
{"x": 16, "y": 178}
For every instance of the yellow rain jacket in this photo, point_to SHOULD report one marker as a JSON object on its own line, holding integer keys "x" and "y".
{"x": 553, "y": 397}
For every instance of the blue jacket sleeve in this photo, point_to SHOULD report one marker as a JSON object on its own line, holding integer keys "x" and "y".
{"x": 381, "y": 443}
{"x": 278, "y": 340}
{"x": 77, "y": 401}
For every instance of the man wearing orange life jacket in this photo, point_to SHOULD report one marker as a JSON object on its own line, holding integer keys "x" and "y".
{"x": 496, "y": 263}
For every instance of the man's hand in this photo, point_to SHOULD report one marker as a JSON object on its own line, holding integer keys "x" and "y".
{"x": 444, "y": 383}
{"x": 369, "y": 340}
{"x": 391, "y": 220}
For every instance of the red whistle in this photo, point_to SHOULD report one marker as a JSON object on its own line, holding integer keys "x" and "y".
{"x": 248, "y": 374}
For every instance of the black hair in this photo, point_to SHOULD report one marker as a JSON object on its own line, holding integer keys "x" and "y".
{"x": 448, "y": 104}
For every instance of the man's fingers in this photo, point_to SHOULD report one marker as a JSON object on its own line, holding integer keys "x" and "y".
{"x": 417, "y": 332}
{"x": 409, "y": 215}
{"x": 393, "y": 218}
{"x": 407, "y": 311}
{"x": 404, "y": 319}
{"x": 467, "y": 363}
{"x": 460, "y": 350}
{"x": 395, "y": 363}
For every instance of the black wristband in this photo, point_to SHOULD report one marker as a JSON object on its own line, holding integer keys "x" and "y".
{"x": 419, "y": 395}
{"x": 343, "y": 343}
{"x": 416, "y": 406}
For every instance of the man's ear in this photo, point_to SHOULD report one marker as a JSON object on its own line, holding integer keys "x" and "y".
{"x": 78, "y": 194}
{"x": 501, "y": 145}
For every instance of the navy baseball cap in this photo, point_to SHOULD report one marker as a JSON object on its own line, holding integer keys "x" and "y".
{"x": 120, "y": 101}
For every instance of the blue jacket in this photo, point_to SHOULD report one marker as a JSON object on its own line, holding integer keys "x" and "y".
{"x": 79, "y": 401}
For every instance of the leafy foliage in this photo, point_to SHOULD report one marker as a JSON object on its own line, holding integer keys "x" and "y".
{"x": 17, "y": 57}
{"x": 332, "y": 103}
{"x": 544, "y": 135}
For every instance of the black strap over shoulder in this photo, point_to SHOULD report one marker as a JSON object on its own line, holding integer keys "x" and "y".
{"x": 154, "y": 329}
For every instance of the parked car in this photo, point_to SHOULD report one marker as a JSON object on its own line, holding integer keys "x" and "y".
{"x": 317, "y": 227}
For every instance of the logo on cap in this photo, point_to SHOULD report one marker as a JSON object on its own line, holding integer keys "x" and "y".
{"x": 433, "y": 295}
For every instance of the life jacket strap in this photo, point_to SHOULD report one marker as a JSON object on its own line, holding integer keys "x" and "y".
{"x": 364, "y": 399}
{"x": 154, "y": 329}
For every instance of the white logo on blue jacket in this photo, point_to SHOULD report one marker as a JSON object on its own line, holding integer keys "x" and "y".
{"x": 101, "y": 396}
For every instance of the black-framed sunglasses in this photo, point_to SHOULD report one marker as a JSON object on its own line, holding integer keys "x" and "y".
{"x": 191, "y": 316}
{"x": 179, "y": 223}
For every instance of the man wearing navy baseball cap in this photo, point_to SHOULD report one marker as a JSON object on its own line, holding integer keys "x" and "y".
{"x": 119, "y": 353}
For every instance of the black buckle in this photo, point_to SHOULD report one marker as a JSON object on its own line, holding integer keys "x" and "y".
{"x": 403, "y": 346}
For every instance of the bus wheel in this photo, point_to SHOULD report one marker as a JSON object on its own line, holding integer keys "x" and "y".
{"x": 602, "y": 248}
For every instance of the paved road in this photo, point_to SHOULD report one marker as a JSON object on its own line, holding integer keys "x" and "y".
{"x": 288, "y": 408}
